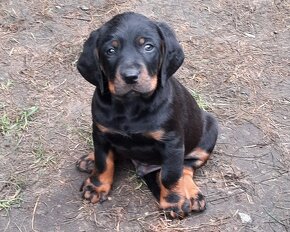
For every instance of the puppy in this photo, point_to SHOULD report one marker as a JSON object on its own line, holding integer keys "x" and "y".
{"x": 140, "y": 111}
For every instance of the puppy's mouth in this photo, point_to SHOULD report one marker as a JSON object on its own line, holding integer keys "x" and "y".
{"x": 142, "y": 88}
{"x": 133, "y": 91}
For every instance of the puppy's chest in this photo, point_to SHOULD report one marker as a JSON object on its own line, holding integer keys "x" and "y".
{"x": 131, "y": 127}
{"x": 137, "y": 146}
{"x": 128, "y": 137}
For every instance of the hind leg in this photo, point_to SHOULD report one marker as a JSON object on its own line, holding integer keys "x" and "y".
{"x": 185, "y": 196}
{"x": 199, "y": 156}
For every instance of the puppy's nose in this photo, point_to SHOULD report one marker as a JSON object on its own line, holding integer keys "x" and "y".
{"x": 130, "y": 76}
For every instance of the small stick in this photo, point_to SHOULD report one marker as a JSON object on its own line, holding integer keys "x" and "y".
{"x": 82, "y": 19}
{"x": 277, "y": 220}
{"x": 33, "y": 215}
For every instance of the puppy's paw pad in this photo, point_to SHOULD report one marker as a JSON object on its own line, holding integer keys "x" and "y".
{"x": 198, "y": 203}
{"x": 94, "y": 191}
{"x": 86, "y": 163}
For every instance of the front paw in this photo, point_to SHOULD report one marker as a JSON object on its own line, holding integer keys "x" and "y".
{"x": 95, "y": 191}
{"x": 97, "y": 187}
{"x": 182, "y": 199}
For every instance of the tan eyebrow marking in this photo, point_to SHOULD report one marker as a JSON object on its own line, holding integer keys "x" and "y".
{"x": 115, "y": 43}
{"x": 141, "y": 40}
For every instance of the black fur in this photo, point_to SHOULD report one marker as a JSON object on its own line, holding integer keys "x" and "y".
{"x": 131, "y": 115}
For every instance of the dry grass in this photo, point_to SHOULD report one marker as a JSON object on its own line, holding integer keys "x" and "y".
{"x": 236, "y": 60}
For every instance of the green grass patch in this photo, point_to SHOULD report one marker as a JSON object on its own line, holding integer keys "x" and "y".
{"x": 9, "y": 125}
{"x": 40, "y": 157}
{"x": 6, "y": 85}
{"x": 10, "y": 195}
{"x": 200, "y": 101}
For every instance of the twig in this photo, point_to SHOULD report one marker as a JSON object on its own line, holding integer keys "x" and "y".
{"x": 277, "y": 220}
{"x": 82, "y": 19}
{"x": 6, "y": 228}
{"x": 145, "y": 216}
{"x": 33, "y": 215}
{"x": 99, "y": 15}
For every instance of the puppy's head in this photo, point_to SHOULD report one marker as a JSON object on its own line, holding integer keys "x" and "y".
{"x": 130, "y": 55}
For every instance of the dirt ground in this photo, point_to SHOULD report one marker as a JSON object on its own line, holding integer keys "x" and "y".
{"x": 237, "y": 60}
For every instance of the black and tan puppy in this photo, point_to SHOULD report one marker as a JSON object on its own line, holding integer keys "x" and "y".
{"x": 141, "y": 112}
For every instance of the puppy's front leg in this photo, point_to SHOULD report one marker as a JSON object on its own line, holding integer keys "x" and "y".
{"x": 179, "y": 194}
{"x": 96, "y": 188}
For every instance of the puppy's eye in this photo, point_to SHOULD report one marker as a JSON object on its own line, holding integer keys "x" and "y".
{"x": 148, "y": 47}
{"x": 111, "y": 51}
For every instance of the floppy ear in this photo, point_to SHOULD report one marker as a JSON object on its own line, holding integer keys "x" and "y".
{"x": 173, "y": 55}
{"x": 88, "y": 63}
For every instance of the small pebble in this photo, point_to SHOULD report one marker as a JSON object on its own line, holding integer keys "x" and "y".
{"x": 245, "y": 218}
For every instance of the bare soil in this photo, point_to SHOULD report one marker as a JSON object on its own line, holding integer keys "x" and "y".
{"x": 237, "y": 60}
